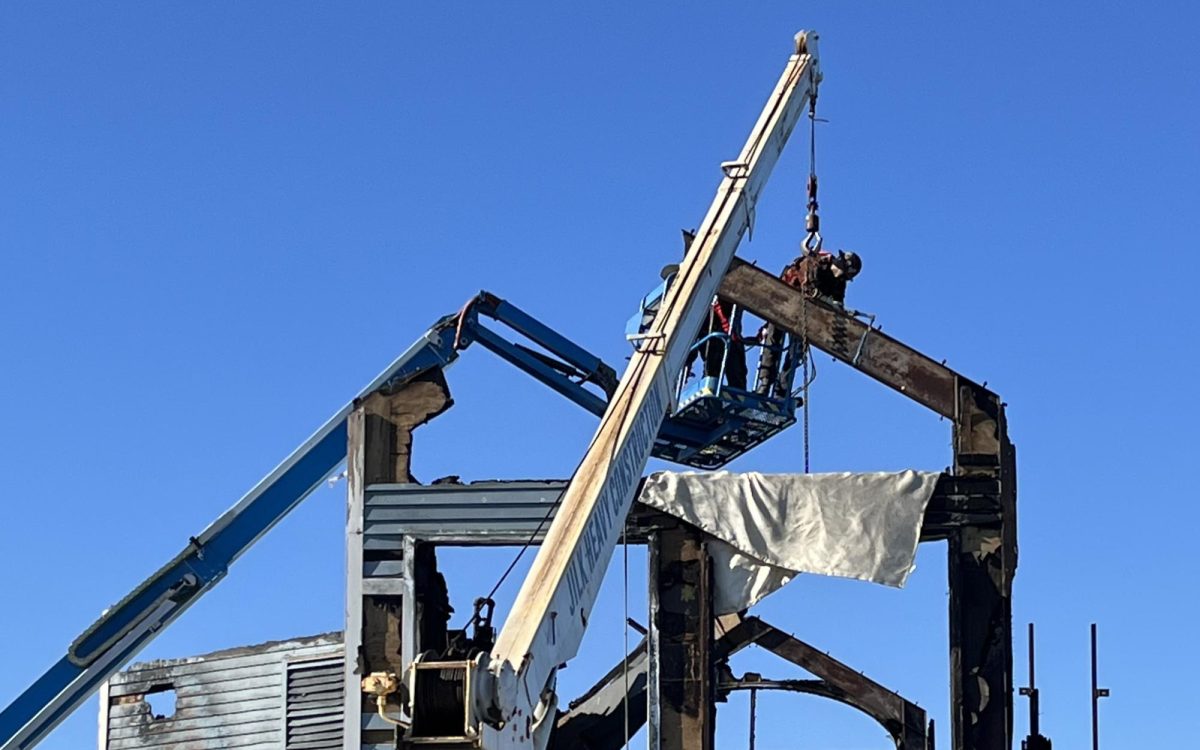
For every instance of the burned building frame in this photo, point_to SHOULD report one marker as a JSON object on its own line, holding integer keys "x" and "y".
{"x": 395, "y": 593}
{"x": 397, "y": 602}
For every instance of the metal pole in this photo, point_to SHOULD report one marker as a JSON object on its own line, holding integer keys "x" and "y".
{"x": 1033, "y": 693}
{"x": 1033, "y": 742}
{"x": 753, "y": 713}
{"x": 1095, "y": 697}
{"x": 1097, "y": 694}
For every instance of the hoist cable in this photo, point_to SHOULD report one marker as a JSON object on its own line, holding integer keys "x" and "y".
{"x": 812, "y": 244}
{"x": 517, "y": 558}
{"x": 804, "y": 352}
{"x": 625, "y": 624}
{"x": 812, "y": 137}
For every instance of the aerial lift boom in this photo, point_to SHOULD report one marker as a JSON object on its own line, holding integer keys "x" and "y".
{"x": 512, "y": 690}
{"x": 126, "y": 627}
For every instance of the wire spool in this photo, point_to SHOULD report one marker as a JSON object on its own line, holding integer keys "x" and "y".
{"x": 440, "y": 700}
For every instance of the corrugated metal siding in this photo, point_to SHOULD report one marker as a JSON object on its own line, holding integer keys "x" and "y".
{"x": 231, "y": 699}
{"x": 445, "y": 512}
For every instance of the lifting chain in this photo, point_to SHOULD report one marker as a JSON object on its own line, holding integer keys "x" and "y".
{"x": 812, "y": 222}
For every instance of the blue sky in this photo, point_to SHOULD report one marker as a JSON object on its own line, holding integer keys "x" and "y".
{"x": 218, "y": 222}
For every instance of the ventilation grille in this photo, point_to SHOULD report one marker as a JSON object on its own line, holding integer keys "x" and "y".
{"x": 314, "y": 705}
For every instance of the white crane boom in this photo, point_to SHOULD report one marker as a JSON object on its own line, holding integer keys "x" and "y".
{"x": 513, "y": 689}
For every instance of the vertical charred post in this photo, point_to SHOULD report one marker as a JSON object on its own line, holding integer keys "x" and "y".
{"x": 379, "y": 451}
{"x": 682, "y": 690}
{"x": 982, "y": 564}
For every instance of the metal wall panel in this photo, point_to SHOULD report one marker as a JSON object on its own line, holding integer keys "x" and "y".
{"x": 476, "y": 513}
{"x": 284, "y": 695}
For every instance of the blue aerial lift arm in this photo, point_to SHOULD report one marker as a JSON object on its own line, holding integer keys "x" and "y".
{"x": 573, "y": 360}
{"x": 124, "y": 629}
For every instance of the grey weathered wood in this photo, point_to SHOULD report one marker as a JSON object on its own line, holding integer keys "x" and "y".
{"x": 134, "y": 726}
{"x": 231, "y": 698}
{"x": 193, "y": 668}
{"x": 195, "y": 706}
{"x": 199, "y": 740}
{"x": 183, "y": 683}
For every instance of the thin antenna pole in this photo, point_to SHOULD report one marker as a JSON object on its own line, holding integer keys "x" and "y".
{"x": 1035, "y": 703}
{"x": 1095, "y": 697}
{"x": 1097, "y": 694}
{"x": 1035, "y": 740}
{"x": 1032, "y": 664}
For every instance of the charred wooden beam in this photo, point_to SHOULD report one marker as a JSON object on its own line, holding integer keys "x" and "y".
{"x": 597, "y": 719}
{"x": 904, "y": 720}
{"x": 981, "y": 567}
{"x": 682, "y": 711}
{"x": 841, "y": 335}
{"x": 959, "y": 502}
{"x": 379, "y": 450}
{"x": 982, "y": 548}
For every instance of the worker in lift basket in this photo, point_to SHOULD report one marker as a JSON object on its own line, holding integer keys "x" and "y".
{"x": 723, "y": 318}
{"x": 819, "y": 275}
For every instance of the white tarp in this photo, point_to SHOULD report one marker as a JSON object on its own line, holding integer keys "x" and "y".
{"x": 773, "y": 526}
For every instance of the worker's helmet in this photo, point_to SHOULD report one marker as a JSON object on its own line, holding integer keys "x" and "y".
{"x": 850, "y": 263}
